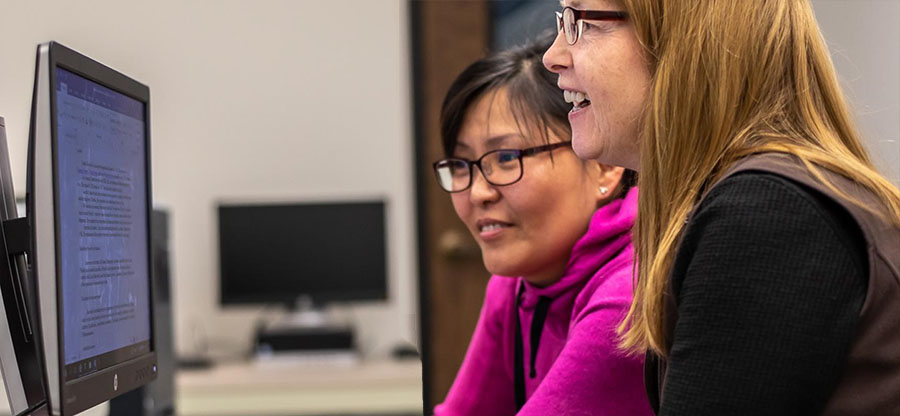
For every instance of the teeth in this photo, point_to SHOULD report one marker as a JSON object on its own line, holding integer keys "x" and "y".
{"x": 491, "y": 227}
{"x": 575, "y": 97}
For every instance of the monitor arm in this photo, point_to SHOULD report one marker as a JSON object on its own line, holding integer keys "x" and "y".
{"x": 17, "y": 234}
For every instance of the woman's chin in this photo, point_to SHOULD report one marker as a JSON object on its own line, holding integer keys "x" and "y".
{"x": 499, "y": 267}
{"x": 585, "y": 146}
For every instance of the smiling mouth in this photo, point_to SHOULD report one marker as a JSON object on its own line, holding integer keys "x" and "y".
{"x": 578, "y": 99}
{"x": 491, "y": 227}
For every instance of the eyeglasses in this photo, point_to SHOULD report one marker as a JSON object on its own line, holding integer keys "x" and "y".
{"x": 572, "y": 21}
{"x": 498, "y": 167}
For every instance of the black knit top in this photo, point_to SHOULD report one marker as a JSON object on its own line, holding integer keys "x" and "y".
{"x": 769, "y": 281}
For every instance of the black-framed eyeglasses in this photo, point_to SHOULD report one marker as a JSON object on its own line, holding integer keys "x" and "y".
{"x": 498, "y": 167}
{"x": 571, "y": 21}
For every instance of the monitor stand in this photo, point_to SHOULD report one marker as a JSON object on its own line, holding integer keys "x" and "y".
{"x": 305, "y": 314}
{"x": 307, "y": 332}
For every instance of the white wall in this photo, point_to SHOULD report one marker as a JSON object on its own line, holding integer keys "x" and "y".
{"x": 864, "y": 39}
{"x": 250, "y": 101}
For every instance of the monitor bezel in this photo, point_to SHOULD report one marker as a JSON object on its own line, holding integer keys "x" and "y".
{"x": 87, "y": 391}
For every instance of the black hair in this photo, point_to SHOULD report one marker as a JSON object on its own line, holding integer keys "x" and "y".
{"x": 536, "y": 102}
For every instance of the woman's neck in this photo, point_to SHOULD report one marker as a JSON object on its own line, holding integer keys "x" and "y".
{"x": 547, "y": 275}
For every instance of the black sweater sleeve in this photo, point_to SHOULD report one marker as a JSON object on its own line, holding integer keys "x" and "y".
{"x": 769, "y": 281}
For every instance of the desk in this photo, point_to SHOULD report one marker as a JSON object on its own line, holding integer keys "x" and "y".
{"x": 101, "y": 409}
{"x": 248, "y": 389}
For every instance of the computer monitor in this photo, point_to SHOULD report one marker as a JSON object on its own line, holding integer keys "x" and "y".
{"x": 88, "y": 206}
{"x": 20, "y": 359}
{"x": 322, "y": 252}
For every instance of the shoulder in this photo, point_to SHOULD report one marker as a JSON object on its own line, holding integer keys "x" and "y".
{"x": 757, "y": 189}
{"x": 610, "y": 289}
{"x": 770, "y": 203}
{"x": 762, "y": 221}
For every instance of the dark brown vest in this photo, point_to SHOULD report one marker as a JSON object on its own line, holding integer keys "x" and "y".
{"x": 870, "y": 384}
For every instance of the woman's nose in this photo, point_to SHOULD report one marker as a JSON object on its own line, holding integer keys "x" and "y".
{"x": 557, "y": 58}
{"x": 482, "y": 191}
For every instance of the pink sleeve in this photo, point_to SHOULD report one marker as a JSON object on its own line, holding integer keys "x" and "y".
{"x": 484, "y": 384}
{"x": 592, "y": 376}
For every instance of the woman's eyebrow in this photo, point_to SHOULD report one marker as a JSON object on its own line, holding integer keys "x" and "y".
{"x": 491, "y": 143}
{"x": 497, "y": 141}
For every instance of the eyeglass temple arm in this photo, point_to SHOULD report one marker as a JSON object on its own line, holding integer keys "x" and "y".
{"x": 599, "y": 15}
{"x": 544, "y": 148}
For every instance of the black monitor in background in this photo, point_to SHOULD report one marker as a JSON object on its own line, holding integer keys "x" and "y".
{"x": 20, "y": 359}
{"x": 322, "y": 252}
{"x": 88, "y": 207}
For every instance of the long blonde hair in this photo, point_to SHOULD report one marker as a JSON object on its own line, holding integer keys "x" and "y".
{"x": 730, "y": 78}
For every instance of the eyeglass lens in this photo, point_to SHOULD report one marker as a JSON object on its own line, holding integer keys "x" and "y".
{"x": 499, "y": 167}
{"x": 569, "y": 25}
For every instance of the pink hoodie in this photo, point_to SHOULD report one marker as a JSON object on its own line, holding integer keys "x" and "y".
{"x": 578, "y": 369}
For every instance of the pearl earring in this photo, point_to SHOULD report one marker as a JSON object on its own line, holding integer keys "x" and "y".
{"x": 604, "y": 190}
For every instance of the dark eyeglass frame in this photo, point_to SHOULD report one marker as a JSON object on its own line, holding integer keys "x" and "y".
{"x": 520, "y": 153}
{"x": 578, "y": 18}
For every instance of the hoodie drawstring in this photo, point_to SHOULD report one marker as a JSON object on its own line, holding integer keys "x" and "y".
{"x": 537, "y": 327}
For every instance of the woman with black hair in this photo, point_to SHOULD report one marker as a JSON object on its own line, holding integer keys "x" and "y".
{"x": 555, "y": 231}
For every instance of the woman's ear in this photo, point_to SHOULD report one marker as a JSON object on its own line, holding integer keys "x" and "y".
{"x": 609, "y": 178}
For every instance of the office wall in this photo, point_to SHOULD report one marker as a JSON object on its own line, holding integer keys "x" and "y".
{"x": 272, "y": 100}
{"x": 864, "y": 39}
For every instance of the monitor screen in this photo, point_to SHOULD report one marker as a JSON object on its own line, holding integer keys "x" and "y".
{"x": 276, "y": 253}
{"x": 103, "y": 236}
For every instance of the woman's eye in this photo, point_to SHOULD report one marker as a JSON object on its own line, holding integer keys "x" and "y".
{"x": 597, "y": 27}
{"x": 506, "y": 157}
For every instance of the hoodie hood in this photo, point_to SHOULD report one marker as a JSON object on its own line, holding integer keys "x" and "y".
{"x": 608, "y": 233}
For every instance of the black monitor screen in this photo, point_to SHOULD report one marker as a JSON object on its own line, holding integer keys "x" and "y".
{"x": 103, "y": 225}
{"x": 277, "y": 253}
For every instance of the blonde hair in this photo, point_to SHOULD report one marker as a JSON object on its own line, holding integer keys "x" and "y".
{"x": 730, "y": 78}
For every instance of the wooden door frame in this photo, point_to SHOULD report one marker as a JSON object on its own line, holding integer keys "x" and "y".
{"x": 426, "y": 83}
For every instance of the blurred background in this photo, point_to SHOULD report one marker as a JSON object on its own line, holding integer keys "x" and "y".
{"x": 301, "y": 101}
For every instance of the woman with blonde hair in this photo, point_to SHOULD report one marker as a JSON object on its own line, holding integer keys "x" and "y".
{"x": 768, "y": 246}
